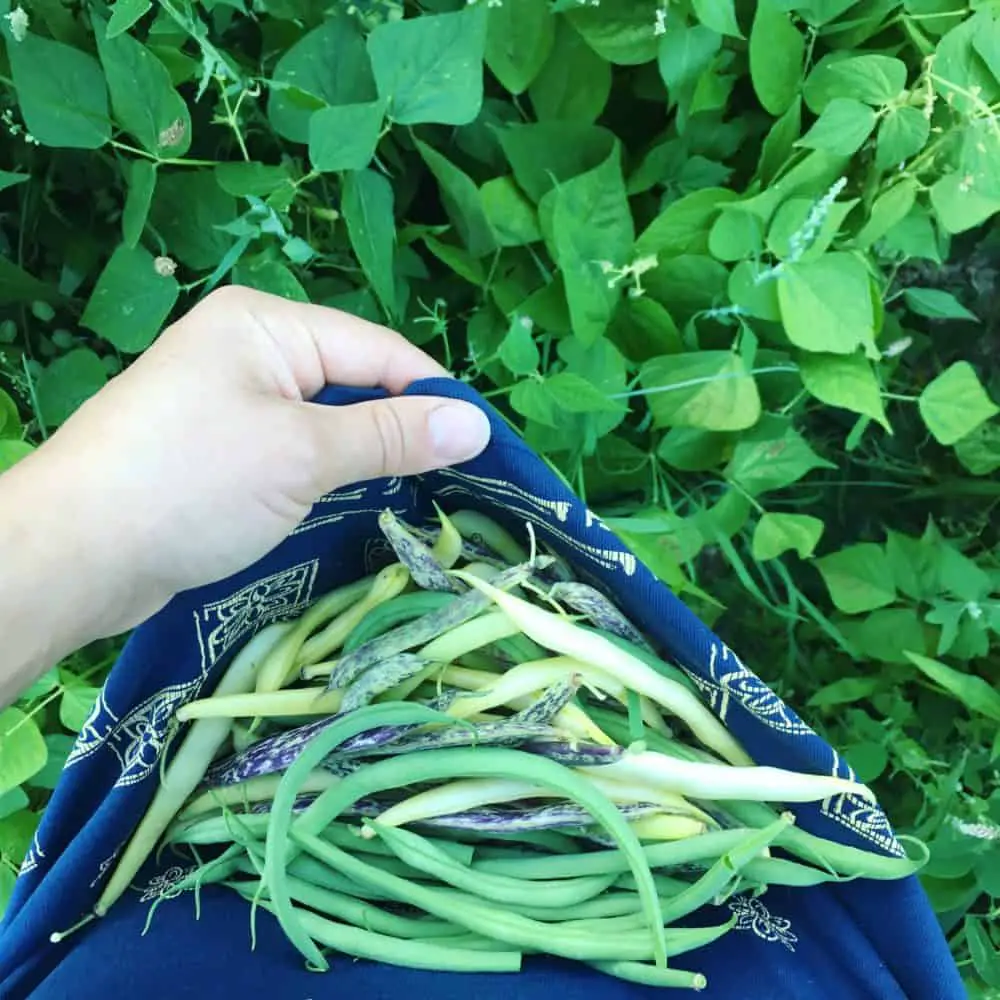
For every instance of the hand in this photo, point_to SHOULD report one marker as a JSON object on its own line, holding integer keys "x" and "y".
{"x": 205, "y": 453}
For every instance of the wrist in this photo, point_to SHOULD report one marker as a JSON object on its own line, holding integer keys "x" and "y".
{"x": 59, "y": 582}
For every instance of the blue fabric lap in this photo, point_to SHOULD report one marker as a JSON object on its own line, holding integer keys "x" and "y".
{"x": 858, "y": 940}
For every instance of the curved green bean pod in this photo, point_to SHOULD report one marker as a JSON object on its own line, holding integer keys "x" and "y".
{"x": 418, "y": 954}
{"x": 447, "y": 546}
{"x": 415, "y": 851}
{"x": 649, "y": 975}
{"x": 277, "y": 839}
{"x": 491, "y": 762}
{"x": 501, "y": 924}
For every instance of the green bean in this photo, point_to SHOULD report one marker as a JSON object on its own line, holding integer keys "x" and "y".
{"x": 498, "y": 922}
{"x": 316, "y": 750}
{"x": 401, "y": 609}
{"x": 647, "y": 656}
{"x": 488, "y": 762}
{"x": 415, "y": 851}
{"x": 415, "y": 954}
{"x": 277, "y": 668}
{"x": 650, "y": 975}
{"x": 290, "y": 702}
{"x": 260, "y": 788}
{"x": 364, "y": 914}
{"x": 670, "y": 853}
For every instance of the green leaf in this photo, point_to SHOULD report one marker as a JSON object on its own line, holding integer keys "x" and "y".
{"x": 368, "y": 212}
{"x": 985, "y": 955}
{"x": 757, "y": 298}
{"x": 430, "y": 68}
{"x": 67, "y": 383}
{"x": 776, "y": 534}
{"x": 884, "y": 634}
{"x": 124, "y": 14}
{"x": 269, "y": 276}
{"x": 549, "y": 153}
{"x": 959, "y": 206}
{"x": 936, "y": 304}
{"x": 61, "y": 91}
{"x": 619, "y": 31}
{"x": 10, "y": 420}
{"x": 844, "y": 691}
{"x": 531, "y": 399}
{"x": 683, "y": 227}
{"x": 687, "y": 284}
{"x": 575, "y": 394}
{"x": 188, "y": 211}
{"x": 141, "y": 185}
{"x": 903, "y": 133}
{"x": 60, "y": 746}
{"x": 462, "y": 201}
{"x": 842, "y": 128}
{"x": 872, "y": 78}
{"x": 719, "y": 15}
{"x": 915, "y": 564}
{"x": 708, "y": 389}
{"x": 780, "y": 142}
{"x": 589, "y": 222}
{"x": 979, "y": 451}
{"x": 955, "y": 403}
{"x": 519, "y": 39}
{"x": 16, "y": 833}
{"x": 11, "y": 452}
{"x": 9, "y": 179}
{"x": 344, "y": 136}
{"x": 976, "y": 694}
{"x": 518, "y": 350}
{"x": 914, "y": 237}
{"x": 692, "y": 450}
{"x": 793, "y": 219}
{"x": 12, "y": 801}
{"x": 76, "y": 703}
{"x": 240, "y": 178}
{"x": 777, "y": 56}
{"x": 736, "y": 235}
{"x": 22, "y": 749}
{"x": 858, "y": 577}
{"x": 510, "y": 216}
{"x": 844, "y": 380}
{"x": 130, "y": 301}
{"x": 888, "y": 209}
{"x": 143, "y": 98}
{"x": 574, "y": 83}
{"x": 961, "y": 76}
{"x": 686, "y": 52}
{"x": 642, "y": 329}
{"x": 772, "y": 455}
{"x": 330, "y": 64}
{"x": 826, "y": 304}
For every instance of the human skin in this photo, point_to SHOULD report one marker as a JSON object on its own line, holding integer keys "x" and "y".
{"x": 198, "y": 460}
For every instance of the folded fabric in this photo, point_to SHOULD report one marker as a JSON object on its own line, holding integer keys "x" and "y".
{"x": 858, "y": 939}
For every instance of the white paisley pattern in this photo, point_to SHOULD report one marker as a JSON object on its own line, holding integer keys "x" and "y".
{"x": 752, "y": 915}
{"x": 164, "y": 882}
{"x": 223, "y": 624}
{"x": 33, "y": 856}
{"x": 95, "y": 731}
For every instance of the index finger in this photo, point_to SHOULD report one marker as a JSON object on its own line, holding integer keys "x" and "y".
{"x": 325, "y": 346}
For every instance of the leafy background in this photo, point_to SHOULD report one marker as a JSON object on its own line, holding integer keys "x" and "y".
{"x": 729, "y": 265}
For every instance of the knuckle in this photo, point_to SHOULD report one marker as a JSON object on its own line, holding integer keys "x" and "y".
{"x": 390, "y": 436}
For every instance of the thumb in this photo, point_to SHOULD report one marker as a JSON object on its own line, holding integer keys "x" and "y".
{"x": 399, "y": 436}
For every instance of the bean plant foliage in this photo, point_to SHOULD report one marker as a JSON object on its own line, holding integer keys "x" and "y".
{"x": 726, "y": 264}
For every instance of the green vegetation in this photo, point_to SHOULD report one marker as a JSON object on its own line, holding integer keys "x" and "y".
{"x": 727, "y": 264}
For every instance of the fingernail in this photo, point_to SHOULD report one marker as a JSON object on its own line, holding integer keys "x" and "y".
{"x": 459, "y": 431}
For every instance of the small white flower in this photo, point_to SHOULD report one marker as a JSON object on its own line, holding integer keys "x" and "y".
{"x": 965, "y": 185}
{"x": 660, "y": 27}
{"x": 981, "y": 831}
{"x": 164, "y": 266}
{"x": 18, "y": 21}
{"x": 897, "y": 347}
